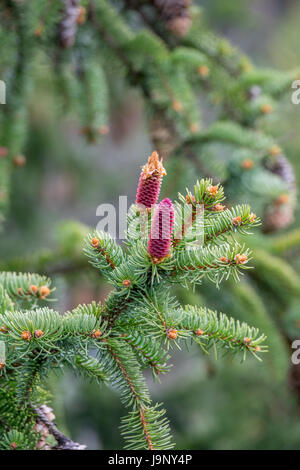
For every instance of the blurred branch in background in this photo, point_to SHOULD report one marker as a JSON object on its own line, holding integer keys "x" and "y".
{"x": 136, "y": 71}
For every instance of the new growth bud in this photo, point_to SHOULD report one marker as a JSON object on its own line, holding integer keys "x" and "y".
{"x": 44, "y": 291}
{"x": 95, "y": 242}
{"x": 26, "y": 335}
{"x": 176, "y": 105}
{"x": 38, "y": 333}
{"x": 266, "y": 108}
{"x": 240, "y": 259}
{"x": 172, "y": 333}
{"x": 203, "y": 70}
{"x": 218, "y": 207}
{"x": 199, "y": 332}
{"x": 96, "y": 334}
{"x": 237, "y": 220}
{"x": 247, "y": 164}
{"x": 33, "y": 289}
{"x": 213, "y": 190}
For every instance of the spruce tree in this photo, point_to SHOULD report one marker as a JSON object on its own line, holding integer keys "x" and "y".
{"x": 140, "y": 322}
{"x": 85, "y": 52}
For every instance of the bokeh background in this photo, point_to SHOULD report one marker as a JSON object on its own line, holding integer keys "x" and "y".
{"x": 211, "y": 404}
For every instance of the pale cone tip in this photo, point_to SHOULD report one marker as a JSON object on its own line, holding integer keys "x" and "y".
{"x": 154, "y": 165}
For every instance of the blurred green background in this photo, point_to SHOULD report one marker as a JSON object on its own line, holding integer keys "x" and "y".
{"x": 211, "y": 404}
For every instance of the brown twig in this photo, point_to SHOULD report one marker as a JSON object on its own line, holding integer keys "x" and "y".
{"x": 63, "y": 442}
{"x": 145, "y": 429}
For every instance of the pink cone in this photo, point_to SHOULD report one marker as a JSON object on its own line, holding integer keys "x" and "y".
{"x": 150, "y": 181}
{"x": 161, "y": 230}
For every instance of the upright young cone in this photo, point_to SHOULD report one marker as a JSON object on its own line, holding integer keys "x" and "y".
{"x": 150, "y": 181}
{"x": 161, "y": 231}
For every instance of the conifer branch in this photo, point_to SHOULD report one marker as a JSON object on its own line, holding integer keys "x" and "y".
{"x": 207, "y": 325}
{"x": 125, "y": 374}
{"x": 152, "y": 431}
{"x": 145, "y": 429}
{"x": 170, "y": 63}
{"x": 149, "y": 351}
{"x": 63, "y": 442}
{"x": 129, "y": 339}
